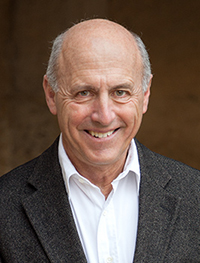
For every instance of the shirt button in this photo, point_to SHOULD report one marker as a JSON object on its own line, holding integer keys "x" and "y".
{"x": 109, "y": 260}
{"x": 81, "y": 181}
{"x": 104, "y": 213}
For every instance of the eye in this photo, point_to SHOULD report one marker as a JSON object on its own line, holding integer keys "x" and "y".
{"x": 120, "y": 93}
{"x": 84, "y": 93}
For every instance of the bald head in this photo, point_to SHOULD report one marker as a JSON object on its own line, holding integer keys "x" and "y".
{"x": 100, "y": 29}
{"x": 97, "y": 37}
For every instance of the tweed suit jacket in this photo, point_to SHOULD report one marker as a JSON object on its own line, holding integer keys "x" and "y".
{"x": 36, "y": 222}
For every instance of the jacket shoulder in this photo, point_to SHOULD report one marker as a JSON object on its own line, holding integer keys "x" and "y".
{"x": 14, "y": 182}
{"x": 156, "y": 159}
{"x": 183, "y": 178}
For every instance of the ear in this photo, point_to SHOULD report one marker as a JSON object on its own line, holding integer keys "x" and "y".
{"x": 50, "y": 96}
{"x": 146, "y": 96}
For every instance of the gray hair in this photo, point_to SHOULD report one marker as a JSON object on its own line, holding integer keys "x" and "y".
{"x": 146, "y": 74}
{"x": 53, "y": 65}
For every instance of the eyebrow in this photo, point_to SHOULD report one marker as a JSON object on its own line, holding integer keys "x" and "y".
{"x": 124, "y": 86}
{"x": 77, "y": 88}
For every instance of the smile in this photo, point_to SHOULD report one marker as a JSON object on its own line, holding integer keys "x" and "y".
{"x": 101, "y": 135}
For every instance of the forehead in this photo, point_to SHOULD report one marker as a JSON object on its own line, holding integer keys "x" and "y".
{"x": 101, "y": 49}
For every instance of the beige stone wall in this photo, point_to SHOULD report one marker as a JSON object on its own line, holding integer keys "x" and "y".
{"x": 171, "y": 31}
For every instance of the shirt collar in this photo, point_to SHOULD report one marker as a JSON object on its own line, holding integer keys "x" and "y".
{"x": 68, "y": 170}
{"x": 132, "y": 164}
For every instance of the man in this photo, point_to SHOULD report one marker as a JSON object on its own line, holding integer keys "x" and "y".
{"x": 97, "y": 194}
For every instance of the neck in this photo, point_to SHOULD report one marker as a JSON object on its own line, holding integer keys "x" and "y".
{"x": 102, "y": 176}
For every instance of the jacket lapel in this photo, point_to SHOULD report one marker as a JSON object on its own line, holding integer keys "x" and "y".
{"x": 49, "y": 212}
{"x": 158, "y": 210}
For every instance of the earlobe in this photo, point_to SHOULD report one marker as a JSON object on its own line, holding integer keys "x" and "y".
{"x": 146, "y": 96}
{"x": 50, "y": 96}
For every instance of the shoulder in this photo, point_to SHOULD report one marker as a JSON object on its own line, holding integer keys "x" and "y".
{"x": 15, "y": 178}
{"x": 154, "y": 159}
{"x": 183, "y": 178}
{"x": 15, "y": 181}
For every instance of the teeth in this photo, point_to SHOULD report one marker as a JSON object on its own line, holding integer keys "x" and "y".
{"x": 100, "y": 135}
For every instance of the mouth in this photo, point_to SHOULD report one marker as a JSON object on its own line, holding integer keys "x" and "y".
{"x": 100, "y": 134}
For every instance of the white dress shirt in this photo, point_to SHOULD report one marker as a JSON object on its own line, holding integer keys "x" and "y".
{"x": 107, "y": 228}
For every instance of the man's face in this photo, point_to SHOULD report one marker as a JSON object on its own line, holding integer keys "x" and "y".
{"x": 100, "y": 102}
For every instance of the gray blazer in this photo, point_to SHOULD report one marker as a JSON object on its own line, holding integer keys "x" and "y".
{"x": 36, "y": 222}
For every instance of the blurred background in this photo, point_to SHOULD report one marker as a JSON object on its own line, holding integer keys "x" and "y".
{"x": 171, "y": 31}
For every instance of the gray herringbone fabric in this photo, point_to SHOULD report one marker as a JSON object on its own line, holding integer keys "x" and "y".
{"x": 36, "y": 222}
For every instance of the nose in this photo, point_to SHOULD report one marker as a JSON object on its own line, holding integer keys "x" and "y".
{"x": 103, "y": 110}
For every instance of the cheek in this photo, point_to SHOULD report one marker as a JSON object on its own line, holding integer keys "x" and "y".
{"x": 75, "y": 114}
{"x": 133, "y": 110}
